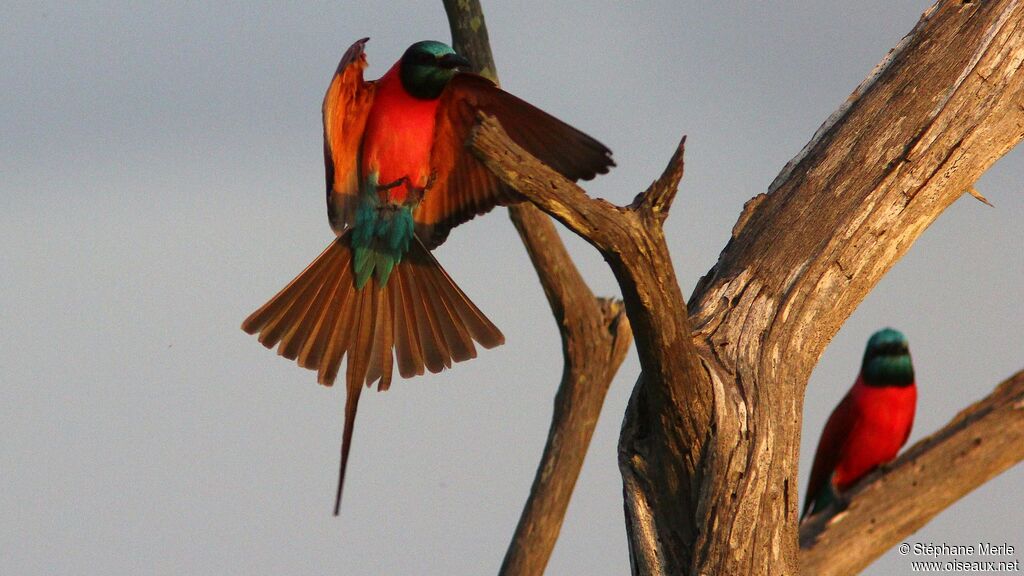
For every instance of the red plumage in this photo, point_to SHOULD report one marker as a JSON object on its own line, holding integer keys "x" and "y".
{"x": 411, "y": 141}
{"x": 867, "y": 429}
{"x": 399, "y": 135}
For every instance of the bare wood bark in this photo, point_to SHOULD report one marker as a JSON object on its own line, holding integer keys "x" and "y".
{"x": 589, "y": 369}
{"x": 710, "y": 445}
{"x": 672, "y": 393}
{"x": 981, "y": 442}
{"x": 937, "y": 113}
{"x": 595, "y": 335}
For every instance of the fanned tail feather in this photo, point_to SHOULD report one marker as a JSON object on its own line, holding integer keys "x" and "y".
{"x": 419, "y": 319}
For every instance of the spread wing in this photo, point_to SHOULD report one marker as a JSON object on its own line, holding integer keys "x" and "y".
{"x": 345, "y": 109}
{"x": 463, "y": 187}
{"x": 830, "y": 449}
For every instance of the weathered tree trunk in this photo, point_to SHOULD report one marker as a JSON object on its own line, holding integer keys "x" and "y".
{"x": 710, "y": 444}
{"x": 937, "y": 113}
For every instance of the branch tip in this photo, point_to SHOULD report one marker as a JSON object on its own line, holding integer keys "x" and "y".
{"x": 658, "y": 197}
{"x": 977, "y": 195}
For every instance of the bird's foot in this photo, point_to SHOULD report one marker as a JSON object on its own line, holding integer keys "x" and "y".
{"x": 395, "y": 184}
{"x": 413, "y": 193}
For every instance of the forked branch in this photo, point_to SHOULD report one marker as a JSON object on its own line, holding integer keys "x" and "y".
{"x": 710, "y": 444}
{"x": 595, "y": 339}
{"x": 667, "y": 421}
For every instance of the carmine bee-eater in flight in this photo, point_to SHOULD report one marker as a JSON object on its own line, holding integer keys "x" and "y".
{"x": 398, "y": 180}
{"x": 871, "y": 423}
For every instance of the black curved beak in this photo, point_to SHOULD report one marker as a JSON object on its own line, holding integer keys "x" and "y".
{"x": 452, "y": 61}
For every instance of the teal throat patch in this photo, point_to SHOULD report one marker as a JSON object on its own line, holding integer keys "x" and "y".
{"x": 894, "y": 370}
{"x": 887, "y": 360}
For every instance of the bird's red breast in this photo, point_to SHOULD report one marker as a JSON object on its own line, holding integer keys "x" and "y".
{"x": 399, "y": 135}
{"x": 879, "y": 422}
{"x": 378, "y": 125}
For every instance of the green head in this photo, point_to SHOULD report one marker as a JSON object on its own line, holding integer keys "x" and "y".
{"x": 427, "y": 67}
{"x": 887, "y": 360}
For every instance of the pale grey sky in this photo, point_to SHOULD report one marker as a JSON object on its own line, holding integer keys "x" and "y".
{"x": 162, "y": 176}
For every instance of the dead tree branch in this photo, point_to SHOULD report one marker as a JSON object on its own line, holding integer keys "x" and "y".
{"x": 981, "y": 442}
{"x": 710, "y": 444}
{"x": 595, "y": 339}
{"x": 673, "y": 387}
{"x": 937, "y": 113}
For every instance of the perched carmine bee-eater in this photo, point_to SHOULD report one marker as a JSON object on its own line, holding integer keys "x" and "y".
{"x": 871, "y": 423}
{"x": 398, "y": 179}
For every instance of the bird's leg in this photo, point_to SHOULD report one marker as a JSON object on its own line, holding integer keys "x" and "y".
{"x": 415, "y": 193}
{"x": 396, "y": 183}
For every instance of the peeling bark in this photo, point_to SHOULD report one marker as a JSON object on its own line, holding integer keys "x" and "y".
{"x": 937, "y": 113}
{"x": 710, "y": 443}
